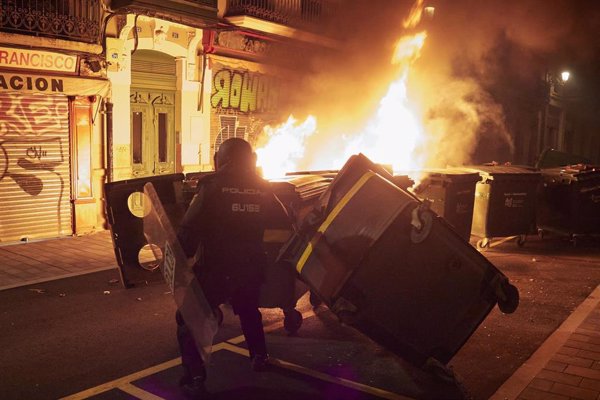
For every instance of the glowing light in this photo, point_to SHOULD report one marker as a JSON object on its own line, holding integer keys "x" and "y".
{"x": 284, "y": 146}
{"x": 429, "y": 11}
{"x": 565, "y": 75}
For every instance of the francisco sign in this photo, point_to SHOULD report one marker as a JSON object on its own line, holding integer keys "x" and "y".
{"x": 37, "y": 60}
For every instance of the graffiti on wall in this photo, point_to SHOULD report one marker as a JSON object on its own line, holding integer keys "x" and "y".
{"x": 28, "y": 159}
{"x": 26, "y": 116}
{"x": 29, "y": 143}
{"x": 231, "y": 126}
{"x": 242, "y": 103}
{"x": 244, "y": 91}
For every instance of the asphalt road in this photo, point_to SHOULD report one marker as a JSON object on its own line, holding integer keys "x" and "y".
{"x": 66, "y": 336}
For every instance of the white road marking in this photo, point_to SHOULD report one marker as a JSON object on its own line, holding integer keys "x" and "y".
{"x": 125, "y": 384}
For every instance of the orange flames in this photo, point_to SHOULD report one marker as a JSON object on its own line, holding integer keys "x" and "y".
{"x": 390, "y": 137}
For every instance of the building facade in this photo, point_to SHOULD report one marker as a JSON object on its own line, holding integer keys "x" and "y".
{"x": 93, "y": 91}
{"x": 51, "y": 93}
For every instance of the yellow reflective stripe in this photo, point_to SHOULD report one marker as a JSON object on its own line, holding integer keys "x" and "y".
{"x": 336, "y": 210}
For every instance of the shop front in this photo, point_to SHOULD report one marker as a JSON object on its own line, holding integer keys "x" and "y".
{"x": 50, "y": 146}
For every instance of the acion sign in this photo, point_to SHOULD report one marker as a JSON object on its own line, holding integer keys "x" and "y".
{"x": 37, "y": 60}
{"x": 65, "y": 85}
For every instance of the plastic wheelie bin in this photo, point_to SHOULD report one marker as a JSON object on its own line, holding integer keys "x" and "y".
{"x": 505, "y": 201}
{"x": 569, "y": 201}
{"x": 126, "y": 205}
{"x": 393, "y": 269}
{"x": 452, "y": 196}
{"x": 550, "y": 158}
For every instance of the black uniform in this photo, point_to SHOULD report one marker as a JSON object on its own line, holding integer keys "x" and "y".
{"x": 227, "y": 220}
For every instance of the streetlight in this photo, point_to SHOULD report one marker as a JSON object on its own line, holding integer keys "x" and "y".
{"x": 552, "y": 119}
{"x": 429, "y": 11}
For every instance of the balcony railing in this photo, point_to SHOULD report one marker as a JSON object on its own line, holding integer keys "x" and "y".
{"x": 77, "y": 20}
{"x": 297, "y": 13}
{"x": 197, "y": 13}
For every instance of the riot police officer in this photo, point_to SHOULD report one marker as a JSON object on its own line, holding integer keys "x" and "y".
{"x": 224, "y": 228}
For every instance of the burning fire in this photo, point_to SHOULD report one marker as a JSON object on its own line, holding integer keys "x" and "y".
{"x": 284, "y": 146}
{"x": 390, "y": 137}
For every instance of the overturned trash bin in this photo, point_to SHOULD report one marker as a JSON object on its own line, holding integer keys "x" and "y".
{"x": 569, "y": 201}
{"x": 394, "y": 270}
{"x": 452, "y": 196}
{"x": 505, "y": 201}
{"x": 126, "y": 205}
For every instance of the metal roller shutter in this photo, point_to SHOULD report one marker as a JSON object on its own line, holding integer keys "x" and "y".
{"x": 35, "y": 177}
{"x": 153, "y": 70}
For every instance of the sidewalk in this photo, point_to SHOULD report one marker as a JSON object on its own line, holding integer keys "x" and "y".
{"x": 34, "y": 262}
{"x": 566, "y": 366}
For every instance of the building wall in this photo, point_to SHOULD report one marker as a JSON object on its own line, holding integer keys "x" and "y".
{"x": 244, "y": 98}
{"x": 41, "y": 170}
{"x": 191, "y": 122}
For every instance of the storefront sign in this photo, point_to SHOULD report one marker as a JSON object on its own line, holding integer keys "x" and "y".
{"x": 37, "y": 60}
{"x": 25, "y": 83}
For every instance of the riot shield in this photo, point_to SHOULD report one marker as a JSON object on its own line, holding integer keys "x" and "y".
{"x": 186, "y": 289}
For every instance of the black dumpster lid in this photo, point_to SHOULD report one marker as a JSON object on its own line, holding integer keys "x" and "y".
{"x": 321, "y": 172}
{"x": 450, "y": 174}
{"x": 572, "y": 172}
{"x": 303, "y": 186}
{"x": 142, "y": 181}
{"x": 488, "y": 171}
{"x": 551, "y": 158}
{"x": 300, "y": 180}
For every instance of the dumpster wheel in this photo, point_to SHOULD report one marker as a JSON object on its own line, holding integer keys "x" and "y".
{"x": 483, "y": 243}
{"x": 508, "y": 301}
{"x": 521, "y": 239}
{"x": 421, "y": 225}
{"x": 315, "y": 301}
{"x": 292, "y": 320}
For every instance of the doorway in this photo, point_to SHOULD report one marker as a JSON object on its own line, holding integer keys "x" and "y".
{"x": 152, "y": 119}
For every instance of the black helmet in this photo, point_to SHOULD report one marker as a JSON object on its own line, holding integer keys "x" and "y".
{"x": 235, "y": 151}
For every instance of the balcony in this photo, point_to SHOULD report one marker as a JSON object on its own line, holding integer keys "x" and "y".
{"x": 74, "y": 20}
{"x": 196, "y": 13}
{"x": 305, "y": 14}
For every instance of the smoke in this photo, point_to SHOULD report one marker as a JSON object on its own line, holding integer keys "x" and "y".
{"x": 480, "y": 68}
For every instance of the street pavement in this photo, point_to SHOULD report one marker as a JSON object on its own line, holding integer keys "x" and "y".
{"x": 565, "y": 366}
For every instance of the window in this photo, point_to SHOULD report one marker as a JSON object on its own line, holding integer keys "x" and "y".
{"x": 82, "y": 146}
{"x": 162, "y": 137}
{"x": 137, "y": 132}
